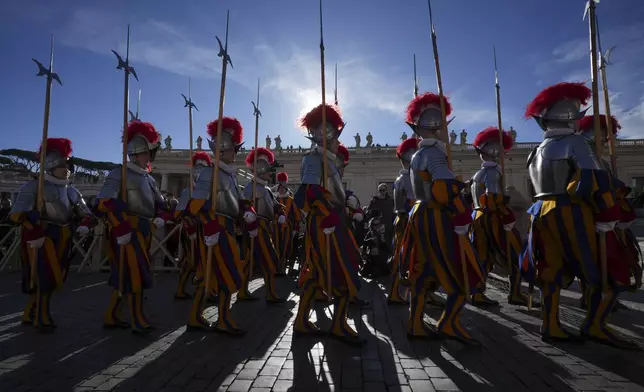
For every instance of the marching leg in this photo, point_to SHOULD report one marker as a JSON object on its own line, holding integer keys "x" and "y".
{"x": 449, "y": 324}
{"x": 303, "y": 326}
{"x": 186, "y": 271}
{"x": 28, "y": 315}
{"x": 340, "y": 328}
{"x": 595, "y": 326}
{"x": 138, "y": 324}
{"x": 112, "y": 318}
{"x": 551, "y": 328}
{"x": 225, "y": 323}
{"x": 416, "y": 327}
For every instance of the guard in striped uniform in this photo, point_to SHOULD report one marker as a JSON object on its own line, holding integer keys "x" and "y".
{"x": 493, "y": 220}
{"x": 285, "y": 235}
{"x": 267, "y": 207}
{"x": 131, "y": 226}
{"x": 192, "y": 251}
{"x": 332, "y": 254}
{"x": 623, "y": 252}
{"x": 46, "y": 238}
{"x": 438, "y": 223}
{"x": 403, "y": 202}
{"x": 575, "y": 201}
{"x": 219, "y": 230}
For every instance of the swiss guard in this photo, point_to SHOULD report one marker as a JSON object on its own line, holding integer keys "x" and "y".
{"x": 47, "y": 236}
{"x": 267, "y": 208}
{"x": 404, "y": 200}
{"x": 131, "y": 226}
{"x": 437, "y": 228}
{"x": 219, "y": 230}
{"x": 329, "y": 241}
{"x": 494, "y": 222}
{"x": 192, "y": 249}
{"x": 575, "y": 205}
{"x": 623, "y": 249}
{"x": 286, "y": 235}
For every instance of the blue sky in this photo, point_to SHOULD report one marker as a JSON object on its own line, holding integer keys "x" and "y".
{"x": 373, "y": 41}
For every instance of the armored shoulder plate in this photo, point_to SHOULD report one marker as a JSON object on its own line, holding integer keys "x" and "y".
{"x": 184, "y": 198}
{"x": 112, "y": 186}
{"x": 159, "y": 199}
{"x": 227, "y": 191}
{"x": 400, "y": 195}
{"x": 555, "y": 161}
{"x": 311, "y": 169}
{"x": 26, "y": 200}
{"x": 57, "y": 206}
{"x": 432, "y": 160}
{"x": 486, "y": 180}
{"x": 76, "y": 198}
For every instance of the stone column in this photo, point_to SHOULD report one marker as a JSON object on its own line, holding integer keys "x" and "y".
{"x": 165, "y": 182}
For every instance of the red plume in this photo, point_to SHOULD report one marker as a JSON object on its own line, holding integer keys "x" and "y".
{"x": 409, "y": 144}
{"x": 61, "y": 145}
{"x": 419, "y": 103}
{"x": 261, "y": 152}
{"x": 492, "y": 133}
{"x": 201, "y": 156}
{"x": 556, "y": 93}
{"x": 144, "y": 129}
{"x": 586, "y": 123}
{"x": 343, "y": 152}
{"x": 314, "y": 118}
{"x": 282, "y": 177}
{"x": 227, "y": 123}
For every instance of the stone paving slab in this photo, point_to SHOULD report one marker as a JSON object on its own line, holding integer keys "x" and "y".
{"x": 81, "y": 356}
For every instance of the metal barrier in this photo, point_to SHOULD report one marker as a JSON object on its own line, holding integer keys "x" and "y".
{"x": 93, "y": 259}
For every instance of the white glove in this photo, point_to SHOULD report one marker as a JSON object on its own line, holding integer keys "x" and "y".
{"x": 605, "y": 227}
{"x": 508, "y": 226}
{"x": 358, "y": 216}
{"x": 192, "y": 236}
{"x": 462, "y": 230}
{"x": 212, "y": 240}
{"x": 304, "y": 214}
{"x": 159, "y": 223}
{"x": 82, "y": 231}
{"x": 36, "y": 244}
{"x": 124, "y": 239}
{"x": 329, "y": 230}
{"x": 252, "y": 233}
{"x": 281, "y": 219}
{"x": 249, "y": 217}
{"x": 624, "y": 225}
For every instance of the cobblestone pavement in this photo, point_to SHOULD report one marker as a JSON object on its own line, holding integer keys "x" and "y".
{"x": 82, "y": 356}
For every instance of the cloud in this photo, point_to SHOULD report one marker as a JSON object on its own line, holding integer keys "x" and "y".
{"x": 569, "y": 62}
{"x": 155, "y": 43}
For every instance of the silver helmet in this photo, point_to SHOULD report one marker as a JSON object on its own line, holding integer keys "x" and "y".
{"x": 560, "y": 105}
{"x": 424, "y": 112}
{"x": 59, "y": 154}
{"x": 231, "y": 135}
{"x": 142, "y": 137}
{"x": 312, "y": 122}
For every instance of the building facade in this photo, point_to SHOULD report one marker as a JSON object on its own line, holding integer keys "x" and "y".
{"x": 369, "y": 167}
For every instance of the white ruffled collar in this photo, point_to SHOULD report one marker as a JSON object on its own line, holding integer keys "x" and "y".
{"x": 558, "y": 132}
{"x": 54, "y": 180}
{"x": 136, "y": 168}
{"x": 433, "y": 143}
{"x": 403, "y": 172}
{"x": 488, "y": 164}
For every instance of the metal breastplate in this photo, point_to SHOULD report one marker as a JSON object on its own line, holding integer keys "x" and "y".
{"x": 227, "y": 192}
{"x": 265, "y": 202}
{"x": 183, "y": 200}
{"x": 551, "y": 168}
{"x": 335, "y": 186}
{"x": 400, "y": 196}
{"x": 311, "y": 173}
{"x": 141, "y": 197}
{"x": 57, "y": 207}
{"x": 486, "y": 180}
{"x": 433, "y": 161}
